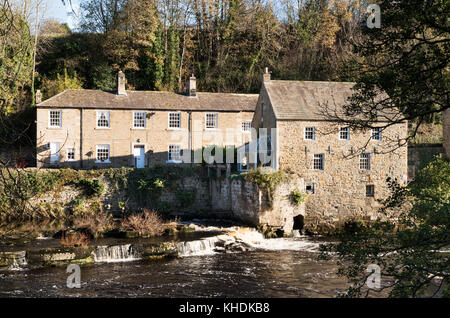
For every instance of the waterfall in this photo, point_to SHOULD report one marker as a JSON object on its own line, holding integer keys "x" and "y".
{"x": 116, "y": 253}
{"x": 19, "y": 260}
{"x": 200, "y": 247}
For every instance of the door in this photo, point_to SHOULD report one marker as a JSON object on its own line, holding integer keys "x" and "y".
{"x": 54, "y": 152}
{"x": 139, "y": 156}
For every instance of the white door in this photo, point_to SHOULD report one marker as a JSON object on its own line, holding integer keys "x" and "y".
{"x": 54, "y": 152}
{"x": 139, "y": 156}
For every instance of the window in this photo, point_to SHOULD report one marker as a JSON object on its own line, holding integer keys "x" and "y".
{"x": 318, "y": 162}
{"x": 370, "y": 190}
{"x": 103, "y": 119}
{"x": 310, "y": 187}
{"x": 70, "y": 154}
{"x": 364, "y": 161}
{"x": 344, "y": 133}
{"x": 174, "y": 120}
{"x": 246, "y": 126}
{"x": 103, "y": 153}
{"x": 310, "y": 133}
{"x": 139, "y": 120}
{"x": 174, "y": 153}
{"x": 55, "y": 120}
{"x": 376, "y": 134}
{"x": 211, "y": 120}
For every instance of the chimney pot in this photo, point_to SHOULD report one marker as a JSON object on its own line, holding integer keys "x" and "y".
{"x": 38, "y": 96}
{"x": 191, "y": 86}
{"x": 121, "y": 84}
{"x": 266, "y": 75}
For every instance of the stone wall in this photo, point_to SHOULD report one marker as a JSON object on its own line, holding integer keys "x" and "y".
{"x": 240, "y": 199}
{"x": 446, "y": 126}
{"x": 122, "y": 137}
{"x": 340, "y": 188}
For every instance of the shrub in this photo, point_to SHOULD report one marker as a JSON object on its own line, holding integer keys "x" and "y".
{"x": 298, "y": 197}
{"x": 91, "y": 187}
{"x": 74, "y": 240}
{"x": 146, "y": 223}
{"x": 96, "y": 224}
{"x": 186, "y": 198}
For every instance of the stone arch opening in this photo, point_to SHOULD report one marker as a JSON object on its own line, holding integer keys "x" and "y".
{"x": 299, "y": 222}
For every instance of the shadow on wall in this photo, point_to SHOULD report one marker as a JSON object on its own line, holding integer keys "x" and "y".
{"x": 150, "y": 159}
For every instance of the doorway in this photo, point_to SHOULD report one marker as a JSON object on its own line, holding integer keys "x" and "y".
{"x": 54, "y": 152}
{"x": 139, "y": 156}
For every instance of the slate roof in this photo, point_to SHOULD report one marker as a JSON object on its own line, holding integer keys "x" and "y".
{"x": 306, "y": 100}
{"x": 155, "y": 100}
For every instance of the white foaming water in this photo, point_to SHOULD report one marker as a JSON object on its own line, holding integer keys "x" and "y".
{"x": 116, "y": 253}
{"x": 256, "y": 240}
{"x": 196, "y": 248}
{"x": 247, "y": 239}
{"x": 19, "y": 260}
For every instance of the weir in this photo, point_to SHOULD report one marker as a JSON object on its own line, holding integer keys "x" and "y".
{"x": 200, "y": 247}
{"x": 116, "y": 253}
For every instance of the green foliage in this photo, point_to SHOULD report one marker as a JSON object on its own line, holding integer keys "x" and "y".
{"x": 16, "y": 58}
{"x": 90, "y": 187}
{"x": 408, "y": 252}
{"x": 61, "y": 83}
{"x": 411, "y": 68}
{"x": 186, "y": 198}
{"x": 266, "y": 179}
{"x": 298, "y": 197}
{"x": 104, "y": 77}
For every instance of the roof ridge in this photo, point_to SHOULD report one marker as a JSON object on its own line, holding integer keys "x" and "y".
{"x": 300, "y": 81}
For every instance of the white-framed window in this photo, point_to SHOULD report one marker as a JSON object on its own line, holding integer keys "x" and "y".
{"x": 310, "y": 187}
{"x": 174, "y": 120}
{"x": 70, "y": 154}
{"x": 174, "y": 153}
{"x": 139, "y": 119}
{"x": 376, "y": 134}
{"x": 103, "y": 119}
{"x": 102, "y": 154}
{"x": 310, "y": 133}
{"x": 344, "y": 133}
{"x": 370, "y": 190}
{"x": 55, "y": 119}
{"x": 211, "y": 120}
{"x": 246, "y": 126}
{"x": 318, "y": 161}
{"x": 364, "y": 161}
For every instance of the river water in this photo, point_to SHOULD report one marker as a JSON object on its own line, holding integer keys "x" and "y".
{"x": 272, "y": 268}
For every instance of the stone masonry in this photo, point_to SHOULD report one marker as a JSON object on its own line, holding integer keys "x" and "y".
{"x": 121, "y": 136}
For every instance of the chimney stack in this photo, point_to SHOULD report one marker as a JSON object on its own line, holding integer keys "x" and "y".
{"x": 266, "y": 75}
{"x": 38, "y": 96}
{"x": 121, "y": 84}
{"x": 191, "y": 86}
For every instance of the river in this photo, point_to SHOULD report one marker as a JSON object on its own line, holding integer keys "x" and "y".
{"x": 287, "y": 267}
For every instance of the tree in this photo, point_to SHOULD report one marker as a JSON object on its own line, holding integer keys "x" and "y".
{"x": 101, "y": 15}
{"x": 409, "y": 253}
{"x": 408, "y": 60}
{"x": 16, "y": 56}
{"x": 61, "y": 83}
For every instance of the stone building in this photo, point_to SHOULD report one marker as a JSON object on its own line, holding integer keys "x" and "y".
{"x": 98, "y": 129}
{"x": 446, "y": 127}
{"x": 345, "y": 171}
